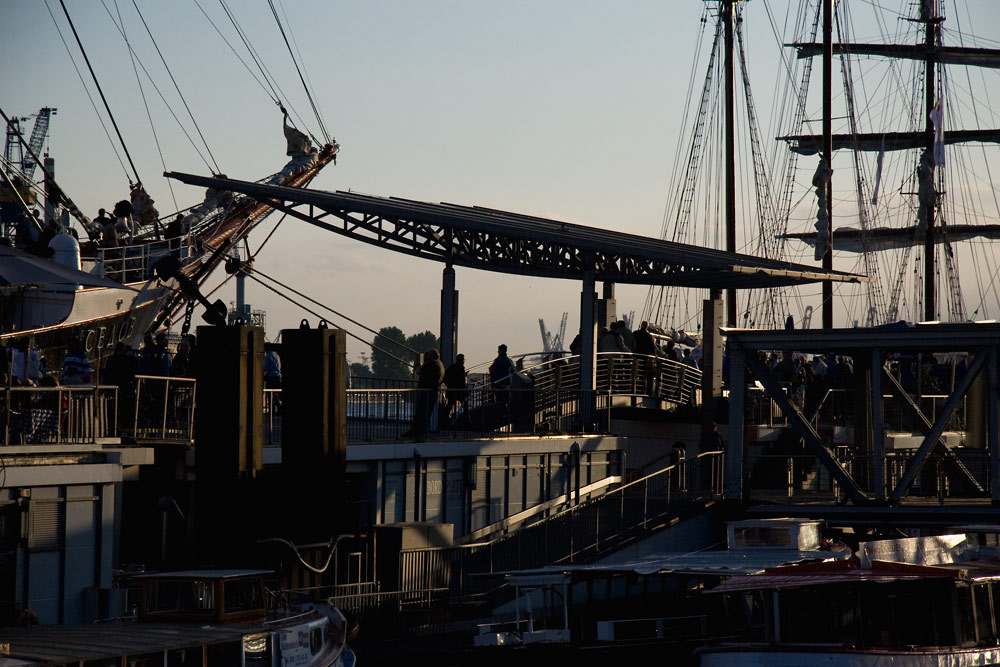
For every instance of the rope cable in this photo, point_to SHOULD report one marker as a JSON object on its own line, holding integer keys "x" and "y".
{"x": 163, "y": 98}
{"x": 176, "y": 86}
{"x": 322, "y": 305}
{"x": 86, "y": 90}
{"x": 142, "y": 93}
{"x": 97, "y": 84}
{"x": 318, "y": 316}
{"x": 235, "y": 53}
{"x": 295, "y": 62}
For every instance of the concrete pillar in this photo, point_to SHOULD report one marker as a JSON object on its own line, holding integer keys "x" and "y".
{"x": 993, "y": 423}
{"x": 711, "y": 357}
{"x": 607, "y": 309}
{"x": 314, "y": 428}
{"x": 588, "y": 333}
{"x": 735, "y": 468}
{"x": 449, "y": 317}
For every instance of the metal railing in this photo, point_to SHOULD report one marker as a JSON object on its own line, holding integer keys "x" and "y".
{"x": 836, "y": 406}
{"x": 65, "y": 415}
{"x": 578, "y": 534}
{"x": 164, "y": 408}
{"x": 624, "y": 374}
{"x": 388, "y": 414}
{"x": 802, "y": 476}
{"x": 133, "y": 263}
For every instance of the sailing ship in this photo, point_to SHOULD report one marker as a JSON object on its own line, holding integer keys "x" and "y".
{"x": 906, "y": 172}
{"x": 87, "y": 293}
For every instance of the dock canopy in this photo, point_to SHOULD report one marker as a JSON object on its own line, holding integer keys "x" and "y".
{"x": 495, "y": 240}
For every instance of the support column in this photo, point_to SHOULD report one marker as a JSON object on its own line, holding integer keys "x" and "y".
{"x": 588, "y": 333}
{"x": 449, "y": 317}
{"x": 993, "y": 424}
{"x": 877, "y": 427}
{"x": 734, "y": 464}
{"x": 711, "y": 358}
{"x": 607, "y": 309}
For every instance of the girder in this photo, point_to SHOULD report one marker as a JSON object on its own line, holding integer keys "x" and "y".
{"x": 494, "y": 240}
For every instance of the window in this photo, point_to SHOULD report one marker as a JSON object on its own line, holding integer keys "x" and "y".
{"x": 315, "y": 639}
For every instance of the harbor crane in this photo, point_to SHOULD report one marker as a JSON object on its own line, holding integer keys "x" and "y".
{"x": 553, "y": 342}
{"x": 20, "y": 165}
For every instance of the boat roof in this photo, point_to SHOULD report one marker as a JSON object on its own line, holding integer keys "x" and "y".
{"x": 836, "y": 573}
{"x": 204, "y": 574}
{"x": 63, "y": 643}
{"x": 719, "y": 563}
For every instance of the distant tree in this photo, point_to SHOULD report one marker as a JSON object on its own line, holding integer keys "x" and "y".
{"x": 361, "y": 370}
{"x": 388, "y": 349}
{"x": 422, "y": 342}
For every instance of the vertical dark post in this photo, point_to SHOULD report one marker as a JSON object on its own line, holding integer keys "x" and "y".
{"x": 229, "y": 434}
{"x": 588, "y": 333}
{"x": 828, "y": 155}
{"x": 928, "y": 14}
{"x": 993, "y": 423}
{"x": 736, "y": 472}
{"x": 877, "y": 426}
{"x": 728, "y": 10}
{"x": 314, "y": 427}
{"x": 711, "y": 361}
{"x": 449, "y": 317}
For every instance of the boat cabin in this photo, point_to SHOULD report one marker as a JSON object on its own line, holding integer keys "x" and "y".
{"x": 840, "y": 607}
{"x": 219, "y": 596}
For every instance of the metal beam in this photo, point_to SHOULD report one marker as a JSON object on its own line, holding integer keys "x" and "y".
{"x": 877, "y": 426}
{"x": 800, "y": 424}
{"x": 930, "y": 440}
{"x": 925, "y": 427}
{"x": 525, "y": 245}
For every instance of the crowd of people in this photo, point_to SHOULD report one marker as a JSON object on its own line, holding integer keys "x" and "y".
{"x": 22, "y": 366}
{"x": 618, "y": 338}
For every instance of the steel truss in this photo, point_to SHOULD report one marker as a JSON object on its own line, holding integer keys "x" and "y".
{"x": 870, "y": 346}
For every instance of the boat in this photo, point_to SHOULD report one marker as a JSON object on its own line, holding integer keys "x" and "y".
{"x": 96, "y": 297}
{"x": 909, "y": 178}
{"x": 223, "y": 616}
{"x": 894, "y": 606}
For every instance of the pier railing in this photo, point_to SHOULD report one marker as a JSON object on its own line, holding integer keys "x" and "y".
{"x": 58, "y": 415}
{"x": 389, "y": 414}
{"x": 580, "y": 533}
{"x": 621, "y": 374}
{"x": 163, "y": 409}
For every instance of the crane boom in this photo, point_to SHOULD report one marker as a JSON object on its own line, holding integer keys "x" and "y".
{"x": 38, "y": 135}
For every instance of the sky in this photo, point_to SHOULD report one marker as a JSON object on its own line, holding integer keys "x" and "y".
{"x": 568, "y": 109}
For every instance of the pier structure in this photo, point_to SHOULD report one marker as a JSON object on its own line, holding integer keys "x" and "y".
{"x": 892, "y": 454}
{"x": 495, "y": 240}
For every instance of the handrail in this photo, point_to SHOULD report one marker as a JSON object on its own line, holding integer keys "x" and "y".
{"x": 524, "y": 515}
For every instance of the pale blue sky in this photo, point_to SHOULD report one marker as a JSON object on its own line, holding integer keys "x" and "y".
{"x": 568, "y": 109}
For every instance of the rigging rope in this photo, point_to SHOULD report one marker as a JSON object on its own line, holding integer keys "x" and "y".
{"x": 317, "y": 315}
{"x": 267, "y": 92}
{"x": 279, "y": 94}
{"x": 312, "y": 103}
{"x": 97, "y": 84}
{"x": 90, "y": 97}
{"x": 142, "y": 93}
{"x": 176, "y": 87}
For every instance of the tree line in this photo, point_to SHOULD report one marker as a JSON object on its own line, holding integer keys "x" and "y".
{"x": 392, "y": 354}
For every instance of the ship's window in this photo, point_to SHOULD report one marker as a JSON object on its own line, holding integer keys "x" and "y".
{"x": 315, "y": 639}
{"x": 984, "y": 614}
{"x": 173, "y": 596}
{"x": 965, "y": 615}
{"x": 243, "y": 596}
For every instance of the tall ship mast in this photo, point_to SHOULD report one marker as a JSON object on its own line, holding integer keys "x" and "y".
{"x": 914, "y": 203}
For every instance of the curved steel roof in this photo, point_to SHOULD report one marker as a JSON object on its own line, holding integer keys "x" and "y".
{"x": 495, "y": 240}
